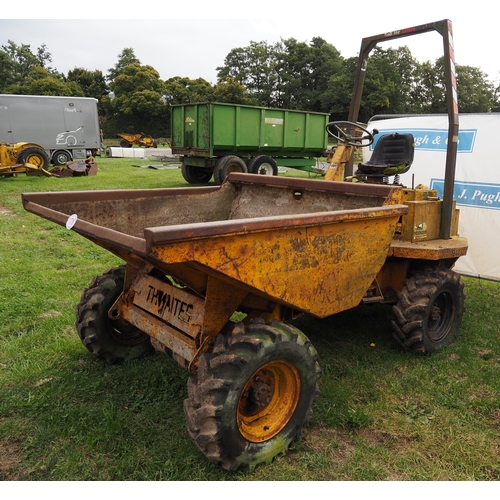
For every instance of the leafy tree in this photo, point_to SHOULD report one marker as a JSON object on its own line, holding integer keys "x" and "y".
{"x": 7, "y": 78}
{"x": 430, "y": 93}
{"x": 326, "y": 61}
{"x": 134, "y": 77}
{"x": 138, "y": 104}
{"x": 256, "y": 68}
{"x": 336, "y": 99}
{"x": 293, "y": 74}
{"x": 391, "y": 81}
{"x": 125, "y": 58}
{"x": 182, "y": 90}
{"x": 475, "y": 93}
{"x": 397, "y": 84}
{"x": 92, "y": 83}
{"x": 18, "y": 62}
{"x": 41, "y": 82}
{"x": 496, "y": 100}
{"x": 227, "y": 90}
{"x": 288, "y": 74}
{"x": 305, "y": 71}
{"x": 23, "y": 58}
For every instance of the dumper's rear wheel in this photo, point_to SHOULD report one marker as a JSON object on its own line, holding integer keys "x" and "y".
{"x": 228, "y": 164}
{"x": 252, "y": 394}
{"x": 115, "y": 341}
{"x": 429, "y": 311}
{"x": 196, "y": 175}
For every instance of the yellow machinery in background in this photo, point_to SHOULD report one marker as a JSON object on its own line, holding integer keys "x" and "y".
{"x": 23, "y": 157}
{"x": 128, "y": 140}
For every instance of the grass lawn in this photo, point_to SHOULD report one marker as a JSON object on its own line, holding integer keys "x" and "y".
{"x": 383, "y": 414}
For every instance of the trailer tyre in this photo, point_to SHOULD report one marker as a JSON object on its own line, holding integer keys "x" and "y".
{"x": 226, "y": 165}
{"x": 35, "y": 156}
{"x": 429, "y": 312}
{"x": 252, "y": 394}
{"x": 196, "y": 175}
{"x": 115, "y": 341}
{"x": 263, "y": 165}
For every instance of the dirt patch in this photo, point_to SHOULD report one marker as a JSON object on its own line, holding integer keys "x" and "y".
{"x": 10, "y": 469}
{"x": 333, "y": 441}
{"x": 390, "y": 441}
{"x": 6, "y": 211}
{"x": 50, "y": 314}
{"x": 325, "y": 450}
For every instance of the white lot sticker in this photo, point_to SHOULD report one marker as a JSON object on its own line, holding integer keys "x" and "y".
{"x": 71, "y": 221}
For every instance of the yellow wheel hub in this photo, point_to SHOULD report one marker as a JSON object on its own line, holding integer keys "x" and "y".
{"x": 268, "y": 401}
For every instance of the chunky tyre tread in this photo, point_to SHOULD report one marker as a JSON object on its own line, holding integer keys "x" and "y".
{"x": 95, "y": 329}
{"x": 215, "y": 388}
{"x": 413, "y": 309}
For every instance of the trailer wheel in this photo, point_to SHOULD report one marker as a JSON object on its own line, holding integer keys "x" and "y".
{"x": 429, "y": 311}
{"x": 125, "y": 144}
{"x": 196, "y": 175}
{"x": 115, "y": 341}
{"x": 61, "y": 157}
{"x": 35, "y": 156}
{"x": 226, "y": 165}
{"x": 263, "y": 165}
{"x": 252, "y": 394}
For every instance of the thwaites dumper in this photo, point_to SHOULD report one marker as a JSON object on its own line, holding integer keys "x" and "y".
{"x": 269, "y": 249}
{"x": 215, "y": 139}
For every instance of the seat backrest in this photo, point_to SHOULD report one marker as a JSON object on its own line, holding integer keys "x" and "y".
{"x": 392, "y": 150}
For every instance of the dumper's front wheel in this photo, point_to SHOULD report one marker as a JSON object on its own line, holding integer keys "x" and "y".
{"x": 115, "y": 341}
{"x": 429, "y": 312}
{"x": 252, "y": 394}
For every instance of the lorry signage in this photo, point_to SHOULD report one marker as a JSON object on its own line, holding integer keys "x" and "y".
{"x": 477, "y": 181}
{"x": 431, "y": 139}
{"x": 473, "y": 194}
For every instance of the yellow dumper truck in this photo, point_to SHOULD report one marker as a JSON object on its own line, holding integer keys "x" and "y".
{"x": 213, "y": 275}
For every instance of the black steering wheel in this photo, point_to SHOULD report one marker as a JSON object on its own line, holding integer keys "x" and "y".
{"x": 348, "y": 133}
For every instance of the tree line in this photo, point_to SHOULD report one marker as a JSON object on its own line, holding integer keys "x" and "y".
{"x": 288, "y": 74}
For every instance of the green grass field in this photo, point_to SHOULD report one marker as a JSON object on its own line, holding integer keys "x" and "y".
{"x": 383, "y": 414}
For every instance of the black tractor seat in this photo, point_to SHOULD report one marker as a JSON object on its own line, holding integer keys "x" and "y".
{"x": 392, "y": 155}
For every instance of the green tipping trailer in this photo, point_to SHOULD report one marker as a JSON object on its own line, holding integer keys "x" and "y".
{"x": 217, "y": 139}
